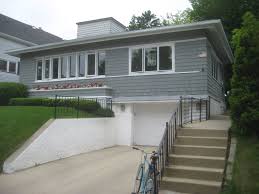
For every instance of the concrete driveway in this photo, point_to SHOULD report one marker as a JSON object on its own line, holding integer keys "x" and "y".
{"x": 108, "y": 171}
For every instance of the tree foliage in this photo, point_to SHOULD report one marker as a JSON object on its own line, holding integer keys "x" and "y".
{"x": 244, "y": 99}
{"x": 181, "y": 17}
{"x": 146, "y": 20}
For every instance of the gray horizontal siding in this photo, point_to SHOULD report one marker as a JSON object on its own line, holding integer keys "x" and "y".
{"x": 8, "y": 77}
{"x": 215, "y": 88}
{"x": 187, "y": 59}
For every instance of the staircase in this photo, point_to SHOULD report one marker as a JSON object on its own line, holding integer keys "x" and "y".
{"x": 197, "y": 162}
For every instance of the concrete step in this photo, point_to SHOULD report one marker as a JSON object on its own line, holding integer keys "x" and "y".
{"x": 194, "y": 186}
{"x": 203, "y": 141}
{"x": 201, "y": 173}
{"x": 199, "y": 150}
{"x": 197, "y": 161}
{"x": 202, "y": 132}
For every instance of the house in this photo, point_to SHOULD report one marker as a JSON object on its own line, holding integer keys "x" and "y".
{"x": 145, "y": 71}
{"x": 15, "y": 35}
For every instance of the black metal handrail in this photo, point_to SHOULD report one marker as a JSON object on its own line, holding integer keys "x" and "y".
{"x": 188, "y": 110}
{"x": 72, "y": 106}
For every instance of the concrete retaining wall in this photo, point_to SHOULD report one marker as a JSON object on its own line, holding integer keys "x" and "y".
{"x": 63, "y": 138}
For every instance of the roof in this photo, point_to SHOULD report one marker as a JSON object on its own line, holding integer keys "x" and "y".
{"x": 102, "y": 19}
{"x": 213, "y": 27}
{"x": 26, "y": 32}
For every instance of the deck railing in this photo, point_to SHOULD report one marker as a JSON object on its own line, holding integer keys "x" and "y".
{"x": 72, "y": 106}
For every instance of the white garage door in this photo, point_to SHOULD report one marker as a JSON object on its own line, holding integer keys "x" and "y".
{"x": 149, "y": 122}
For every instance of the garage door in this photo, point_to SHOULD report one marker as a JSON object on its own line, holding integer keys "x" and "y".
{"x": 149, "y": 122}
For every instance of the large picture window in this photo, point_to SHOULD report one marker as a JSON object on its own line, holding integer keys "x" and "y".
{"x": 154, "y": 58}
{"x": 72, "y": 65}
{"x": 47, "y": 68}
{"x": 39, "y": 70}
{"x": 91, "y": 64}
{"x": 81, "y": 65}
{"x": 165, "y": 58}
{"x": 136, "y": 60}
{"x": 55, "y": 64}
{"x": 151, "y": 59}
{"x": 3, "y": 65}
{"x": 101, "y": 63}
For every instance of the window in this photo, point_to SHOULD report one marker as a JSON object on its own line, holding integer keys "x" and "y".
{"x": 18, "y": 68}
{"x": 165, "y": 58}
{"x": 81, "y": 65}
{"x": 136, "y": 60}
{"x": 159, "y": 58}
{"x": 3, "y": 65}
{"x": 101, "y": 63}
{"x": 63, "y": 66}
{"x": 151, "y": 59}
{"x": 47, "y": 68}
{"x": 39, "y": 70}
{"x": 12, "y": 67}
{"x": 55, "y": 64}
{"x": 72, "y": 66}
{"x": 91, "y": 64}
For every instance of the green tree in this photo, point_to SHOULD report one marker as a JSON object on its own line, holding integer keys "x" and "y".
{"x": 181, "y": 17}
{"x": 146, "y": 20}
{"x": 244, "y": 99}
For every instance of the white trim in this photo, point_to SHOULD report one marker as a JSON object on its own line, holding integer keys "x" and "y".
{"x": 116, "y": 76}
{"x": 67, "y": 89}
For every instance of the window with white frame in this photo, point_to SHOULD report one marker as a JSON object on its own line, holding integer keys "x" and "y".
{"x": 47, "y": 69}
{"x": 101, "y": 63}
{"x": 55, "y": 68}
{"x": 91, "y": 64}
{"x": 72, "y": 65}
{"x": 3, "y": 65}
{"x": 63, "y": 72}
{"x": 152, "y": 58}
{"x": 12, "y": 67}
{"x": 81, "y": 65}
{"x": 39, "y": 70}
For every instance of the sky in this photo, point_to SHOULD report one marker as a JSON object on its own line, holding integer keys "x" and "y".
{"x": 59, "y": 17}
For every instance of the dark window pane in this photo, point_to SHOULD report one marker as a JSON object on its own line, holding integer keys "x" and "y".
{"x": 136, "y": 60}
{"x": 101, "y": 63}
{"x": 39, "y": 70}
{"x": 18, "y": 70}
{"x": 72, "y": 66}
{"x": 55, "y": 68}
{"x": 91, "y": 64}
{"x": 63, "y": 67}
{"x": 47, "y": 68}
{"x": 165, "y": 58}
{"x": 150, "y": 59}
{"x": 3, "y": 65}
{"x": 81, "y": 65}
{"x": 12, "y": 67}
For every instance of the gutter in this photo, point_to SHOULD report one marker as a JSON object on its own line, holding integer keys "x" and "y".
{"x": 25, "y": 42}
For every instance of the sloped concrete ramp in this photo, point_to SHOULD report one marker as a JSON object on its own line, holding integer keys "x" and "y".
{"x": 108, "y": 171}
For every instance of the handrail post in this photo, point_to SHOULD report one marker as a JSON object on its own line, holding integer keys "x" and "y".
{"x": 181, "y": 111}
{"x": 55, "y": 106}
{"x": 77, "y": 113}
{"x": 209, "y": 108}
{"x": 206, "y": 109}
{"x": 200, "y": 109}
{"x": 191, "y": 109}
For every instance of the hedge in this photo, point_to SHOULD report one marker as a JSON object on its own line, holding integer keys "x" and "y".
{"x": 84, "y": 105}
{"x": 10, "y": 90}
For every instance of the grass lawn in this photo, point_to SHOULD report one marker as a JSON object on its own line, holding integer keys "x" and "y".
{"x": 246, "y": 168}
{"x": 17, "y": 124}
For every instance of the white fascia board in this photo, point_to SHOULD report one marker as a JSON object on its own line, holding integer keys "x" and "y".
{"x": 13, "y": 38}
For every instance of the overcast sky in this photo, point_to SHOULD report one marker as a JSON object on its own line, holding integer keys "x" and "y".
{"x": 60, "y": 16}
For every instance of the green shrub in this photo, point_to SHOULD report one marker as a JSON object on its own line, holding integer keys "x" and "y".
{"x": 10, "y": 90}
{"x": 27, "y": 101}
{"x": 104, "y": 112}
{"x": 88, "y": 105}
{"x": 244, "y": 98}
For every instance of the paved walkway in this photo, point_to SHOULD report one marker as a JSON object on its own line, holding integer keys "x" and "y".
{"x": 108, "y": 171}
